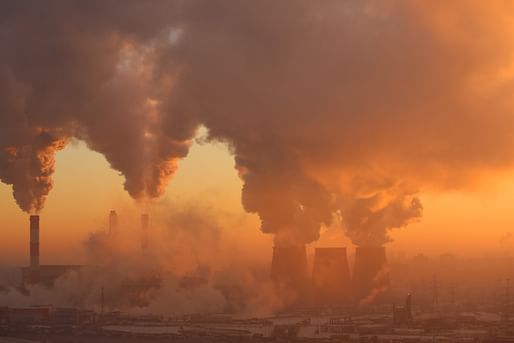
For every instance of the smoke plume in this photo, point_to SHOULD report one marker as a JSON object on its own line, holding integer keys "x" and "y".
{"x": 308, "y": 95}
{"x": 189, "y": 268}
{"x": 371, "y": 210}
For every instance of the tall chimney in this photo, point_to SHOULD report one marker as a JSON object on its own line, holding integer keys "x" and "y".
{"x": 331, "y": 277}
{"x": 289, "y": 268}
{"x": 113, "y": 223}
{"x": 34, "y": 241}
{"x": 145, "y": 224}
{"x": 371, "y": 276}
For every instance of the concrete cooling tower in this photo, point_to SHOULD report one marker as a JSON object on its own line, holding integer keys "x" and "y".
{"x": 331, "y": 277}
{"x": 370, "y": 276}
{"x": 289, "y": 268}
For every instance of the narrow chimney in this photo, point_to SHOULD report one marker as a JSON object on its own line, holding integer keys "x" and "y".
{"x": 331, "y": 277}
{"x": 33, "y": 271}
{"x": 34, "y": 241}
{"x": 145, "y": 225}
{"x": 113, "y": 223}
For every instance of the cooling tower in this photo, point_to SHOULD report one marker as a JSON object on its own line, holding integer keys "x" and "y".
{"x": 34, "y": 241}
{"x": 331, "y": 277}
{"x": 113, "y": 223}
{"x": 289, "y": 267}
{"x": 371, "y": 275}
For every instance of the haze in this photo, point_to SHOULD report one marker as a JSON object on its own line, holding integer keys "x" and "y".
{"x": 246, "y": 131}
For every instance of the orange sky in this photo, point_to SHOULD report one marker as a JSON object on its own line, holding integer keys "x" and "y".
{"x": 328, "y": 107}
{"x": 86, "y": 189}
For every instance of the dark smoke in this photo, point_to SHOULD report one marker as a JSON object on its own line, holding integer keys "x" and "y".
{"x": 308, "y": 95}
{"x": 74, "y": 68}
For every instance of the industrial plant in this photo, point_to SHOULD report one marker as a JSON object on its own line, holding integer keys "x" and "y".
{"x": 326, "y": 300}
{"x": 35, "y": 273}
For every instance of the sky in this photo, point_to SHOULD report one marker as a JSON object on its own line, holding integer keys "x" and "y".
{"x": 76, "y": 209}
{"x": 464, "y": 223}
{"x": 356, "y": 123}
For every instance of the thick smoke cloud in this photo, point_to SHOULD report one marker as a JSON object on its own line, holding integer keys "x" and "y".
{"x": 78, "y": 69}
{"x": 188, "y": 267}
{"x": 310, "y": 96}
{"x": 369, "y": 212}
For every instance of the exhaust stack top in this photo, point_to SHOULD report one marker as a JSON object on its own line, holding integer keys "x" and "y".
{"x": 34, "y": 241}
{"x": 113, "y": 223}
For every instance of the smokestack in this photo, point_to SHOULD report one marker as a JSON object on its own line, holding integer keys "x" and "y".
{"x": 289, "y": 268}
{"x": 371, "y": 275}
{"x": 145, "y": 224}
{"x": 331, "y": 277}
{"x": 34, "y": 241}
{"x": 113, "y": 223}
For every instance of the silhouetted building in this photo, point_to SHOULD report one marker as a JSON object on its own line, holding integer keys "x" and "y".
{"x": 402, "y": 316}
{"x": 36, "y": 273}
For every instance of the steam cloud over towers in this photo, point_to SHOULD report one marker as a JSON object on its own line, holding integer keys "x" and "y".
{"x": 333, "y": 107}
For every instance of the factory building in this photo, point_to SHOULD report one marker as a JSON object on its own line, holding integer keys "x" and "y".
{"x": 402, "y": 315}
{"x": 36, "y": 273}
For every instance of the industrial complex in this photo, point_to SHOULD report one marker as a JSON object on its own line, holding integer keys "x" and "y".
{"x": 331, "y": 302}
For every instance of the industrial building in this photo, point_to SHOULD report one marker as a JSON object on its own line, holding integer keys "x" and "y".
{"x": 37, "y": 273}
